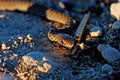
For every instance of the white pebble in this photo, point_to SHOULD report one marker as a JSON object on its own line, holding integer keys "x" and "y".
{"x": 115, "y": 10}
{"x": 4, "y": 47}
{"x": 95, "y": 31}
{"x": 82, "y": 46}
{"x": 109, "y": 53}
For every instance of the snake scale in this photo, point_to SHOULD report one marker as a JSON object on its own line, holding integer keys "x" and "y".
{"x": 48, "y": 13}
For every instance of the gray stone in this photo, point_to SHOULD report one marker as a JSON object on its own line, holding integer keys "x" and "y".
{"x": 106, "y": 68}
{"x": 109, "y": 53}
{"x": 116, "y": 25}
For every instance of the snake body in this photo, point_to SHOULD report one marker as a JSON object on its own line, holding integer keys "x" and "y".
{"x": 37, "y": 9}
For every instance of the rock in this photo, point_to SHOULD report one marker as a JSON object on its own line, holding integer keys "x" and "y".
{"x": 115, "y": 10}
{"x": 35, "y": 61}
{"x": 109, "y": 53}
{"x": 107, "y": 68}
{"x": 42, "y": 60}
{"x": 95, "y": 31}
{"x": 116, "y": 25}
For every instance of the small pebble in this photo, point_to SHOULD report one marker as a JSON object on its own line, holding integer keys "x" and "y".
{"x": 109, "y": 53}
{"x": 4, "y": 47}
{"x": 5, "y": 58}
{"x": 81, "y": 46}
{"x": 95, "y": 31}
{"x": 0, "y": 60}
{"x": 20, "y": 38}
{"x": 28, "y": 39}
{"x": 2, "y": 16}
{"x": 116, "y": 25}
{"x": 61, "y": 5}
{"x": 106, "y": 68}
{"x": 115, "y": 10}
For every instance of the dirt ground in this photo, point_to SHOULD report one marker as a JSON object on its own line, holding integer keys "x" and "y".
{"x": 25, "y": 33}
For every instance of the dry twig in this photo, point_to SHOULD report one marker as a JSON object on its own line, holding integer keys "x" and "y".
{"x": 79, "y": 32}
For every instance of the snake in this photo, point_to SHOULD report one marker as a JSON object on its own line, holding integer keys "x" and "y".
{"x": 48, "y": 13}
{"x": 37, "y": 9}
